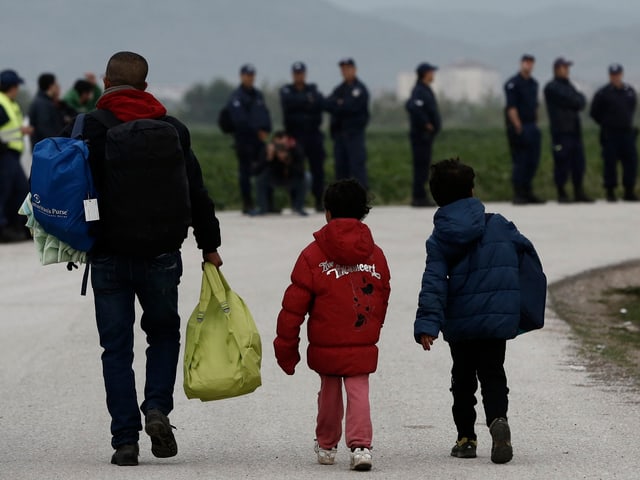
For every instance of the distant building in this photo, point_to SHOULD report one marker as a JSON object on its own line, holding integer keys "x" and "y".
{"x": 468, "y": 80}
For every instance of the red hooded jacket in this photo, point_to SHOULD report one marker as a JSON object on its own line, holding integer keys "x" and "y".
{"x": 342, "y": 281}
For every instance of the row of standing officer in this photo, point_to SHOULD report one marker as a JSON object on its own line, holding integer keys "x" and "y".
{"x": 613, "y": 108}
{"x": 247, "y": 117}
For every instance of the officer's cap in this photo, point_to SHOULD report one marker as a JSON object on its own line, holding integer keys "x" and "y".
{"x": 562, "y": 62}
{"x": 615, "y": 69}
{"x": 9, "y": 78}
{"x": 347, "y": 61}
{"x": 527, "y": 57}
{"x": 247, "y": 69}
{"x": 425, "y": 67}
{"x": 298, "y": 67}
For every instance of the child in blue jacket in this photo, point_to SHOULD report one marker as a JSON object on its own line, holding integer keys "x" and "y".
{"x": 470, "y": 292}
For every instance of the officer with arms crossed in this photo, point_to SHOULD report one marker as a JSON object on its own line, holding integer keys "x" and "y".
{"x": 348, "y": 105}
{"x": 564, "y": 104}
{"x": 523, "y": 134}
{"x": 302, "y": 106}
{"x": 424, "y": 117}
{"x": 613, "y": 108}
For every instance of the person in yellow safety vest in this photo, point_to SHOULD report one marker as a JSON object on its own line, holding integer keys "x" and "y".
{"x": 13, "y": 182}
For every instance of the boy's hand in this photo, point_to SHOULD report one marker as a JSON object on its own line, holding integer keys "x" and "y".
{"x": 427, "y": 341}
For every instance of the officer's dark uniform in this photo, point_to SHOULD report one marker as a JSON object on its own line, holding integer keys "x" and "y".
{"x": 348, "y": 105}
{"x": 564, "y": 103}
{"x": 522, "y": 94}
{"x": 249, "y": 114}
{"x": 613, "y": 109}
{"x": 302, "y": 113}
{"x": 423, "y": 110}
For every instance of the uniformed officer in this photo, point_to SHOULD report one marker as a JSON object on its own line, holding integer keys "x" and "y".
{"x": 348, "y": 105}
{"x": 564, "y": 103}
{"x": 251, "y": 126}
{"x": 424, "y": 118}
{"x": 302, "y": 106}
{"x": 13, "y": 181}
{"x": 613, "y": 108}
{"x": 523, "y": 133}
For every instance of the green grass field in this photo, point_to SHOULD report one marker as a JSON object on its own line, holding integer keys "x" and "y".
{"x": 389, "y": 163}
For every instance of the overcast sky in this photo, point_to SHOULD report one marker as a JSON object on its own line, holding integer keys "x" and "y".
{"x": 507, "y": 6}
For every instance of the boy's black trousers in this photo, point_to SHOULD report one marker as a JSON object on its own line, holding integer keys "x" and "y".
{"x": 475, "y": 360}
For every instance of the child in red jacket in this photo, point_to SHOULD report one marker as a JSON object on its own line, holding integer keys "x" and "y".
{"x": 342, "y": 281}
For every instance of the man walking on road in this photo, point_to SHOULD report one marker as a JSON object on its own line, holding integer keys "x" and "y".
{"x": 348, "y": 105}
{"x": 424, "y": 117}
{"x": 523, "y": 133}
{"x": 613, "y": 108}
{"x": 564, "y": 104}
{"x": 144, "y": 216}
{"x": 302, "y": 106}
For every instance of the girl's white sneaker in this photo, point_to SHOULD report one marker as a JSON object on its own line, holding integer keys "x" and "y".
{"x": 360, "y": 459}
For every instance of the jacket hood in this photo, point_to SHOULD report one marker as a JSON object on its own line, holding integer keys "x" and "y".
{"x": 346, "y": 241}
{"x": 129, "y": 104}
{"x": 460, "y": 222}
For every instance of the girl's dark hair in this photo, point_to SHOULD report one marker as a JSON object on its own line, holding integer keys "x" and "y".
{"x": 347, "y": 199}
{"x": 451, "y": 180}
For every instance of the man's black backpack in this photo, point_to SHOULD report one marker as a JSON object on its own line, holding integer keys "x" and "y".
{"x": 225, "y": 122}
{"x": 144, "y": 193}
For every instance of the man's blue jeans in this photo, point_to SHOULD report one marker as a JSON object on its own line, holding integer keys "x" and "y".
{"x": 117, "y": 281}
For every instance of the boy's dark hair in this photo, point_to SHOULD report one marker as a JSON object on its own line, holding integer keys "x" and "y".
{"x": 346, "y": 199}
{"x": 451, "y": 180}
{"x": 279, "y": 134}
{"x": 45, "y": 81}
{"x": 83, "y": 86}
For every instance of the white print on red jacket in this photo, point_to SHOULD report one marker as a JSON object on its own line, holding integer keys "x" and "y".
{"x": 362, "y": 307}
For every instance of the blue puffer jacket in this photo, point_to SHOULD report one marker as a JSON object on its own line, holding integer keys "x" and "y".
{"x": 470, "y": 287}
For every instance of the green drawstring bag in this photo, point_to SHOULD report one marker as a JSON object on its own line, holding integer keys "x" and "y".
{"x": 223, "y": 351}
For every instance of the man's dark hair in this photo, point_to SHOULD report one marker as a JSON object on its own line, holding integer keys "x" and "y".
{"x": 451, "y": 180}
{"x": 127, "y": 68}
{"x": 346, "y": 199}
{"x": 83, "y": 86}
{"x": 280, "y": 134}
{"x": 45, "y": 81}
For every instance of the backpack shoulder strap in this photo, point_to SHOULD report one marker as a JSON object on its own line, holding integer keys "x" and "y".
{"x": 106, "y": 118}
{"x": 78, "y": 126}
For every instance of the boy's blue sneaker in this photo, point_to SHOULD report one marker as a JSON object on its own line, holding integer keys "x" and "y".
{"x": 501, "y": 450}
{"x": 464, "y": 448}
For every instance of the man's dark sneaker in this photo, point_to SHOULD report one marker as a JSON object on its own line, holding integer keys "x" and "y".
{"x": 464, "y": 448}
{"x": 501, "y": 450}
{"x": 422, "y": 203}
{"x": 126, "y": 455}
{"x": 611, "y": 195}
{"x": 157, "y": 426}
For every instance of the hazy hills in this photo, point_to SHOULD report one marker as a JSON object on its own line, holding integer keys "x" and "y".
{"x": 196, "y": 40}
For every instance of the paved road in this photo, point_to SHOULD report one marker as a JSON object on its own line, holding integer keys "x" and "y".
{"x": 54, "y": 424}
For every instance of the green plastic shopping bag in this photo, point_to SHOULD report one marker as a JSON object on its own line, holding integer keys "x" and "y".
{"x": 223, "y": 351}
